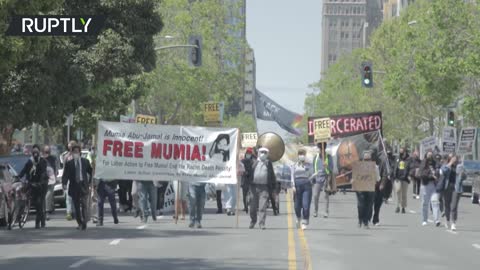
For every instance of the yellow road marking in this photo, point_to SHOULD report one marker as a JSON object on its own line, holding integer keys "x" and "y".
{"x": 305, "y": 249}
{"x": 292, "y": 257}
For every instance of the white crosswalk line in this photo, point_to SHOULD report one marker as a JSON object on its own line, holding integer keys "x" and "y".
{"x": 477, "y": 246}
{"x": 141, "y": 227}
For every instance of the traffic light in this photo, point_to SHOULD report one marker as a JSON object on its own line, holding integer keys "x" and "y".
{"x": 451, "y": 119}
{"x": 196, "y": 52}
{"x": 367, "y": 75}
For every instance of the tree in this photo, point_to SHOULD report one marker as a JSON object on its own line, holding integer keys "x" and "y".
{"x": 175, "y": 91}
{"x": 49, "y": 77}
{"x": 242, "y": 121}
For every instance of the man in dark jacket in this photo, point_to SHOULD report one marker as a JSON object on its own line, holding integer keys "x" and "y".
{"x": 401, "y": 180}
{"x": 78, "y": 173}
{"x": 264, "y": 182}
{"x": 35, "y": 171}
{"x": 247, "y": 176}
{"x": 414, "y": 173}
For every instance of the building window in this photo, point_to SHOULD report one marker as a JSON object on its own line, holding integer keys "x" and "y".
{"x": 342, "y": 35}
{"x": 346, "y": 35}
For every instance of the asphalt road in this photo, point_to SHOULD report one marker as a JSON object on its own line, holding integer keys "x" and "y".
{"x": 335, "y": 243}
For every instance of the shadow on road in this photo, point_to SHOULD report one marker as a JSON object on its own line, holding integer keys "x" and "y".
{"x": 36, "y": 263}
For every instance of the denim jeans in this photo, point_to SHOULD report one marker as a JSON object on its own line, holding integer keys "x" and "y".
{"x": 105, "y": 191}
{"x": 426, "y": 192}
{"x": 317, "y": 191}
{"x": 196, "y": 195}
{"x": 147, "y": 198}
{"x": 231, "y": 197}
{"x": 303, "y": 199}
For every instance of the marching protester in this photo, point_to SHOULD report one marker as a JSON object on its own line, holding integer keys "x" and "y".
{"x": 196, "y": 194}
{"x": 414, "y": 168}
{"x": 35, "y": 171}
{"x": 136, "y": 199}
{"x": 106, "y": 189}
{"x": 401, "y": 180}
{"x": 218, "y": 197}
{"x": 302, "y": 176}
{"x": 181, "y": 190}
{"x": 428, "y": 174}
{"x": 64, "y": 158}
{"x": 264, "y": 181}
{"x": 457, "y": 193}
{"x": 247, "y": 176}
{"x": 78, "y": 175}
{"x": 323, "y": 167}
{"x": 386, "y": 174}
{"x": 365, "y": 199}
{"x": 147, "y": 194}
{"x": 52, "y": 172}
{"x": 444, "y": 189}
{"x": 125, "y": 195}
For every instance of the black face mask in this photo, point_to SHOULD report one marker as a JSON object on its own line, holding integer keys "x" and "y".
{"x": 35, "y": 156}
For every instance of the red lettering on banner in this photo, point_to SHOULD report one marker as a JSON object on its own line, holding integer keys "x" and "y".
{"x": 188, "y": 151}
{"x": 128, "y": 149}
{"x": 359, "y": 124}
{"x": 378, "y": 122}
{"x": 179, "y": 151}
{"x": 107, "y": 146}
{"x": 196, "y": 153}
{"x": 117, "y": 148}
{"x": 138, "y": 150}
{"x": 167, "y": 152}
{"x": 345, "y": 125}
{"x": 204, "y": 150}
{"x": 156, "y": 150}
{"x": 353, "y": 124}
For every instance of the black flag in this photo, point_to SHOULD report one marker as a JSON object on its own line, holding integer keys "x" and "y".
{"x": 269, "y": 110}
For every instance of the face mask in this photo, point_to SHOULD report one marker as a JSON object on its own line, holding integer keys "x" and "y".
{"x": 76, "y": 156}
{"x": 248, "y": 156}
{"x": 263, "y": 157}
{"x": 301, "y": 158}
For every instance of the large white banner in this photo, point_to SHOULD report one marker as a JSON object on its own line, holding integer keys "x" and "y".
{"x": 166, "y": 153}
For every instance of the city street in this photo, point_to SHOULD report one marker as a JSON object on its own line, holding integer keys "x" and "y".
{"x": 335, "y": 243}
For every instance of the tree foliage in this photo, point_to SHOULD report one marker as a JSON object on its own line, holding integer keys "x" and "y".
{"x": 42, "y": 79}
{"x": 175, "y": 91}
{"x": 427, "y": 59}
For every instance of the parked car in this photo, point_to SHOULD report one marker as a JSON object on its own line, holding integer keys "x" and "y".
{"x": 472, "y": 183}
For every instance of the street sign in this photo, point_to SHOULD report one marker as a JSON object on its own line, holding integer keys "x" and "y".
{"x": 213, "y": 112}
{"x": 146, "y": 119}
{"x": 249, "y": 139}
{"x": 322, "y": 131}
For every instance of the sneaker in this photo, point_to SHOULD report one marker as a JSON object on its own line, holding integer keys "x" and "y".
{"x": 376, "y": 224}
{"x": 315, "y": 214}
{"x": 359, "y": 225}
{"x": 447, "y": 225}
{"x": 454, "y": 227}
{"x": 304, "y": 226}
{"x": 305, "y": 221}
{"x": 366, "y": 227}
{"x": 403, "y": 210}
{"x": 325, "y": 215}
{"x": 115, "y": 221}
{"x": 69, "y": 217}
{"x": 438, "y": 223}
{"x": 262, "y": 227}
{"x": 424, "y": 223}
{"x": 252, "y": 225}
{"x": 199, "y": 225}
{"x": 397, "y": 210}
{"x": 191, "y": 225}
{"x": 418, "y": 197}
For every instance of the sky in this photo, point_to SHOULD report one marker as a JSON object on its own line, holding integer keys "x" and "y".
{"x": 286, "y": 38}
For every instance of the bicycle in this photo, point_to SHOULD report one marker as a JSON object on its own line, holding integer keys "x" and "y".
{"x": 19, "y": 203}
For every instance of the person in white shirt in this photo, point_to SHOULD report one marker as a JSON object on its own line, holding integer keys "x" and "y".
{"x": 302, "y": 176}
